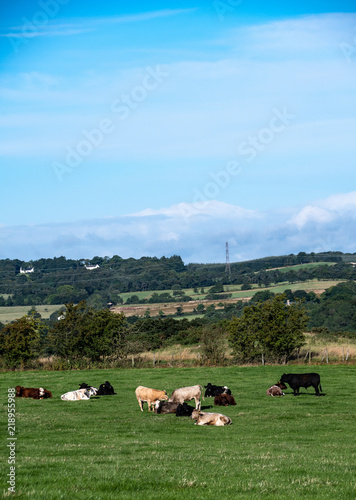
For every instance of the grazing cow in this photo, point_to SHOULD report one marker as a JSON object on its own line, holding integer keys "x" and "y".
{"x": 215, "y": 390}
{"x": 210, "y": 418}
{"x": 187, "y": 394}
{"x": 275, "y": 390}
{"x": 79, "y": 395}
{"x": 224, "y": 400}
{"x": 145, "y": 394}
{"x": 297, "y": 380}
{"x": 35, "y": 393}
{"x": 165, "y": 407}
{"x": 184, "y": 410}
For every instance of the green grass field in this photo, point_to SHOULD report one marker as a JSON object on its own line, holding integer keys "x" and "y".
{"x": 106, "y": 448}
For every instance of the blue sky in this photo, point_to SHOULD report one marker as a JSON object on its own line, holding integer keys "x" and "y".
{"x": 161, "y": 128}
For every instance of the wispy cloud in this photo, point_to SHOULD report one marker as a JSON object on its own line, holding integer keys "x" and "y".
{"x": 85, "y": 25}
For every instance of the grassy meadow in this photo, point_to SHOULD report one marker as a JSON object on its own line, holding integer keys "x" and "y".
{"x": 106, "y": 448}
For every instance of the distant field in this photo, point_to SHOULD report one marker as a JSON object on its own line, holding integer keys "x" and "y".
{"x": 106, "y": 448}
{"x": 8, "y": 314}
{"x": 237, "y": 294}
{"x": 297, "y": 267}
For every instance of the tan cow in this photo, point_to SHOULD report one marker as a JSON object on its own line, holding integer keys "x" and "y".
{"x": 210, "y": 418}
{"x": 145, "y": 394}
{"x": 187, "y": 394}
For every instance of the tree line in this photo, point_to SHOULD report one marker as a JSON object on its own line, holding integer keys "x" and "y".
{"x": 269, "y": 327}
{"x": 60, "y": 280}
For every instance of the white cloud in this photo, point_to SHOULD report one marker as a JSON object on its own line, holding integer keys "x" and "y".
{"x": 323, "y": 211}
{"x": 211, "y": 208}
{"x": 199, "y": 238}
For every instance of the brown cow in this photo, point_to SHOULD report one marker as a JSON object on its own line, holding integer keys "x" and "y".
{"x": 224, "y": 400}
{"x": 35, "y": 393}
{"x": 276, "y": 390}
{"x": 216, "y": 419}
{"x": 145, "y": 394}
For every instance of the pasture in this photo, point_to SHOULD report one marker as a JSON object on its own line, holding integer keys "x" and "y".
{"x": 106, "y": 448}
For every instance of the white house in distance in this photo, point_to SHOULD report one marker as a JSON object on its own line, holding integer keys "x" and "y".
{"x": 25, "y": 271}
{"x": 90, "y": 267}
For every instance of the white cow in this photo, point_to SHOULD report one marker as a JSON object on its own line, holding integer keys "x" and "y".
{"x": 187, "y": 394}
{"x": 79, "y": 395}
{"x": 217, "y": 419}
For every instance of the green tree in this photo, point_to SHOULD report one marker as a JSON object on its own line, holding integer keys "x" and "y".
{"x": 84, "y": 332}
{"x": 213, "y": 345}
{"x": 270, "y": 329}
{"x": 19, "y": 341}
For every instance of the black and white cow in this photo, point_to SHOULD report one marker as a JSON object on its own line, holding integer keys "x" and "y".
{"x": 215, "y": 390}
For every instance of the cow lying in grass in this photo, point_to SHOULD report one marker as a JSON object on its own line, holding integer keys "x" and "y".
{"x": 216, "y": 419}
{"x": 224, "y": 400}
{"x": 215, "y": 390}
{"x": 164, "y": 407}
{"x": 79, "y": 395}
{"x": 276, "y": 390}
{"x": 104, "y": 389}
{"x": 184, "y": 410}
{"x": 35, "y": 393}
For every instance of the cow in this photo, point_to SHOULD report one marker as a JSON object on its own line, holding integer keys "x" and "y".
{"x": 79, "y": 395}
{"x": 215, "y": 390}
{"x": 224, "y": 400}
{"x": 297, "y": 380}
{"x": 145, "y": 394}
{"x": 165, "y": 407}
{"x": 35, "y": 393}
{"x": 104, "y": 389}
{"x": 275, "y": 390}
{"x": 184, "y": 410}
{"x": 187, "y": 394}
{"x": 216, "y": 419}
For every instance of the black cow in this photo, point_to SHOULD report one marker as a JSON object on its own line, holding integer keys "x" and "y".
{"x": 164, "y": 407}
{"x": 184, "y": 410}
{"x": 297, "y": 380}
{"x": 104, "y": 389}
{"x": 215, "y": 390}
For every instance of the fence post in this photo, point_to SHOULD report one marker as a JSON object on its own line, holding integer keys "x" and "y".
{"x": 154, "y": 359}
{"x": 133, "y": 361}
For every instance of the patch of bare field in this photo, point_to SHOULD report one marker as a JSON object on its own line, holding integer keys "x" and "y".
{"x": 170, "y": 308}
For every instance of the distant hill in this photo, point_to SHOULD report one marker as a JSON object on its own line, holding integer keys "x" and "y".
{"x": 102, "y": 281}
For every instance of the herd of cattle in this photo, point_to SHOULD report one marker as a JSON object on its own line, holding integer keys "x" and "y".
{"x": 160, "y": 403}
